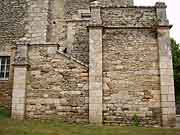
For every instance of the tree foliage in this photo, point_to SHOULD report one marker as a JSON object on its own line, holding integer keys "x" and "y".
{"x": 176, "y": 66}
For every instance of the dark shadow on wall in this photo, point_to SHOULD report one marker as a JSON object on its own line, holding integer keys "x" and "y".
{"x": 176, "y": 67}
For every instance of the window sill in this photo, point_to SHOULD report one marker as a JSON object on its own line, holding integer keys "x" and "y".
{"x": 2, "y": 80}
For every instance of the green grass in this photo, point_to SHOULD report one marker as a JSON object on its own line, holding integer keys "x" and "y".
{"x": 34, "y": 127}
{"x": 4, "y": 113}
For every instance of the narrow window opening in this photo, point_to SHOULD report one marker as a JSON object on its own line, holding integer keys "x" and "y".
{"x": 4, "y": 67}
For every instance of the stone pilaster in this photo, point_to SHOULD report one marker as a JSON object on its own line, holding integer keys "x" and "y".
{"x": 168, "y": 108}
{"x": 95, "y": 66}
{"x": 19, "y": 83}
{"x": 70, "y": 37}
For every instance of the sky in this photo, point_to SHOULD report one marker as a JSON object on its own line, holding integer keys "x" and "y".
{"x": 173, "y": 11}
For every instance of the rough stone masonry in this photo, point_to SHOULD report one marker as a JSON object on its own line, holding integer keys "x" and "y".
{"x": 103, "y": 62}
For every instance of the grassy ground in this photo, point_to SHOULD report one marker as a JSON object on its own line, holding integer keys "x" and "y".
{"x": 10, "y": 127}
{"x": 4, "y": 113}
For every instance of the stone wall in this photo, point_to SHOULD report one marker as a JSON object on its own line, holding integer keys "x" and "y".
{"x": 122, "y": 3}
{"x": 57, "y": 87}
{"x": 11, "y": 17}
{"x": 12, "y": 14}
{"x": 37, "y": 20}
{"x": 6, "y": 85}
{"x": 129, "y": 17}
{"x": 123, "y": 45}
{"x": 131, "y": 76}
{"x": 72, "y": 7}
{"x": 5, "y": 93}
{"x": 78, "y": 40}
{"x": 56, "y": 23}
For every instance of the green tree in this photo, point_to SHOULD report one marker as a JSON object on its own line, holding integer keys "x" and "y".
{"x": 176, "y": 66}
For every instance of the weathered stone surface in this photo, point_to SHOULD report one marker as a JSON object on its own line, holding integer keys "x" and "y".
{"x": 131, "y": 76}
{"x": 19, "y": 91}
{"x": 122, "y": 3}
{"x": 5, "y": 93}
{"x": 56, "y": 23}
{"x": 78, "y": 40}
{"x": 129, "y": 17}
{"x": 95, "y": 76}
{"x": 72, "y": 7}
{"x": 11, "y": 17}
{"x": 167, "y": 80}
{"x": 127, "y": 76}
{"x": 12, "y": 14}
{"x": 60, "y": 89}
{"x": 37, "y": 21}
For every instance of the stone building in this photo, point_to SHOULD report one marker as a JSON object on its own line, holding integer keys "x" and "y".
{"x": 104, "y": 61}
